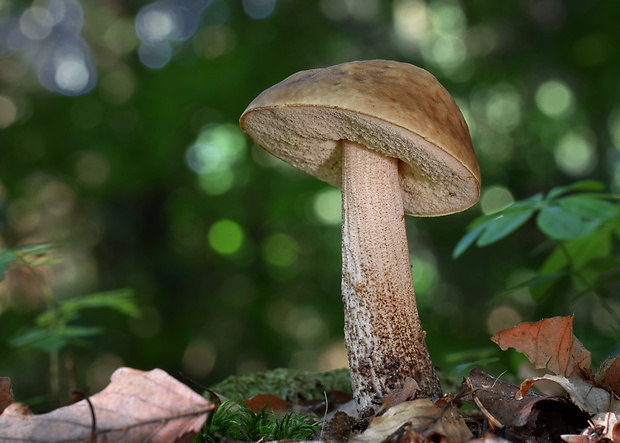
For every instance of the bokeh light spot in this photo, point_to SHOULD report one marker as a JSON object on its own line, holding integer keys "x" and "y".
{"x": 156, "y": 23}
{"x": 503, "y": 108}
{"x": 72, "y": 74}
{"x": 334, "y": 356}
{"x": 424, "y": 274}
{"x": 502, "y": 317}
{"x": 280, "y": 250}
{"x": 68, "y": 70}
{"x": 447, "y": 17}
{"x": 155, "y": 56}
{"x": 411, "y": 24}
{"x": 214, "y": 41}
{"x": 36, "y": 22}
{"x": 92, "y": 168}
{"x": 259, "y": 9}
{"x": 99, "y": 372}
{"x": 217, "y": 149}
{"x": 120, "y": 36}
{"x": 327, "y": 205}
{"x": 118, "y": 85}
{"x": 57, "y": 197}
{"x": 555, "y": 99}
{"x": 225, "y": 237}
{"x": 8, "y": 111}
{"x": 495, "y": 198}
{"x": 575, "y": 155}
{"x": 162, "y": 22}
{"x": 199, "y": 358}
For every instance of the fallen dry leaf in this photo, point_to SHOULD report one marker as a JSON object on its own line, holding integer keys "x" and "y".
{"x": 583, "y": 393}
{"x": 135, "y": 406}
{"x": 608, "y": 374}
{"x": 422, "y": 417}
{"x": 546, "y": 416}
{"x": 269, "y": 402}
{"x": 409, "y": 391}
{"x": 603, "y": 428}
{"x": 548, "y": 343}
{"x": 6, "y": 393}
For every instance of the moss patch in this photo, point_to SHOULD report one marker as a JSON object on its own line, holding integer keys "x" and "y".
{"x": 289, "y": 384}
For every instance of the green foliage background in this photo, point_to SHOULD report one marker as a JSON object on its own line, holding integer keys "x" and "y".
{"x": 106, "y": 175}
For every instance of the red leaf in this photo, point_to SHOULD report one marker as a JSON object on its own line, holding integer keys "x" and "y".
{"x": 550, "y": 344}
{"x": 269, "y": 402}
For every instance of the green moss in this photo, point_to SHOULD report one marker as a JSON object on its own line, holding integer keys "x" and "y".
{"x": 289, "y": 384}
{"x": 232, "y": 420}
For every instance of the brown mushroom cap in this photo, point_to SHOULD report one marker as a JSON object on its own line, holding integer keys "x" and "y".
{"x": 395, "y": 108}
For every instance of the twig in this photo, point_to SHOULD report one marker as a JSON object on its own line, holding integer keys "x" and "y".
{"x": 492, "y": 420}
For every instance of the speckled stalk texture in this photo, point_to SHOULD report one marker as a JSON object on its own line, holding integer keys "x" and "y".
{"x": 383, "y": 335}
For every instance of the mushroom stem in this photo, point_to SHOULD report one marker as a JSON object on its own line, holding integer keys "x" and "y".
{"x": 384, "y": 338}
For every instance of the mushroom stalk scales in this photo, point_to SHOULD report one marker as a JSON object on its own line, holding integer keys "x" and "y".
{"x": 383, "y": 336}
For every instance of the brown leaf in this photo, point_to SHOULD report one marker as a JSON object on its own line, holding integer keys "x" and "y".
{"x": 583, "y": 393}
{"x": 269, "y": 402}
{"x": 603, "y": 428}
{"x": 534, "y": 412}
{"x": 409, "y": 391}
{"x": 419, "y": 416}
{"x": 549, "y": 343}
{"x": 6, "y": 393}
{"x": 135, "y": 406}
{"x": 608, "y": 374}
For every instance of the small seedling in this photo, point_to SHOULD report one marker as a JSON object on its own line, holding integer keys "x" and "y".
{"x": 55, "y": 328}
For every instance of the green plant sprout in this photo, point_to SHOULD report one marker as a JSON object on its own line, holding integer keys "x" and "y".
{"x": 54, "y": 329}
{"x": 582, "y": 224}
{"x": 234, "y": 421}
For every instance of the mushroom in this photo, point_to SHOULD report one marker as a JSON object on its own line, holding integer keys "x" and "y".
{"x": 394, "y": 139}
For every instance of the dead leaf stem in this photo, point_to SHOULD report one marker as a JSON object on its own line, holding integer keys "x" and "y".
{"x": 93, "y": 429}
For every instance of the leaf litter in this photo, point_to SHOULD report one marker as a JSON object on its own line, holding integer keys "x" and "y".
{"x": 152, "y": 406}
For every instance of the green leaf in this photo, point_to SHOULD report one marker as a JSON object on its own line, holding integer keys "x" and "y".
{"x": 73, "y": 332}
{"x": 558, "y": 224}
{"x": 534, "y": 202}
{"x": 588, "y": 207}
{"x": 45, "y": 340}
{"x": 467, "y": 240}
{"x": 38, "y": 338}
{"x": 503, "y": 225}
{"x": 493, "y": 227}
{"x": 569, "y": 257}
{"x": 36, "y": 254}
{"x": 536, "y": 282}
{"x": 584, "y": 185}
{"x": 596, "y": 246}
{"x": 6, "y": 260}
{"x": 121, "y": 300}
{"x": 593, "y": 274}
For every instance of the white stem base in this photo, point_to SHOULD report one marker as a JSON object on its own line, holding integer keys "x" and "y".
{"x": 384, "y": 339}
